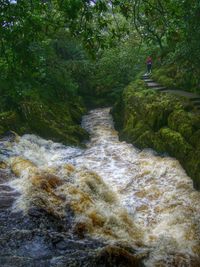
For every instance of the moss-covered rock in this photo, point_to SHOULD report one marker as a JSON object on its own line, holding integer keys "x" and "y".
{"x": 147, "y": 139}
{"x": 194, "y": 140}
{"x": 135, "y": 132}
{"x": 160, "y": 121}
{"x": 174, "y": 143}
{"x": 184, "y": 122}
{"x": 192, "y": 166}
{"x": 9, "y": 120}
{"x": 57, "y": 121}
{"x": 165, "y": 76}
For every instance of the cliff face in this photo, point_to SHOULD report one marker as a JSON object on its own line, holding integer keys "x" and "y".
{"x": 162, "y": 122}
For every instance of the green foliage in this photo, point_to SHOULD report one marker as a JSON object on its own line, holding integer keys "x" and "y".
{"x": 43, "y": 56}
{"x": 39, "y": 84}
{"x": 114, "y": 69}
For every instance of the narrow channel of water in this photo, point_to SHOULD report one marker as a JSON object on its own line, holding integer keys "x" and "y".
{"x": 154, "y": 191}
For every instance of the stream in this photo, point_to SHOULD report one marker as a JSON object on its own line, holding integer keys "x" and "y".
{"x": 117, "y": 193}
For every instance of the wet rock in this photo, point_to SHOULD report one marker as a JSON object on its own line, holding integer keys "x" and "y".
{"x": 9, "y": 194}
{"x": 69, "y": 218}
{"x": 35, "y": 212}
{"x": 117, "y": 256}
{"x": 40, "y": 239}
{"x": 62, "y": 245}
{"x": 5, "y": 188}
{"x": 4, "y": 176}
{"x": 77, "y": 259}
{"x": 25, "y": 243}
{"x": 21, "y": 221}
{"x": 6, "y": 202}
{"x": 12, "y": 261}
{"x": 108, "y": 256}
{"x": 10, "y": 136}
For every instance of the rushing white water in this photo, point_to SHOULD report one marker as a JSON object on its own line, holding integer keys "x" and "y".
{"x": 155, "y": 190}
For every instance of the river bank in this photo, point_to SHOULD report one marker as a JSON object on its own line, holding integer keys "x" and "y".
{"x": 160, "y": 121}
{"x": 56, "y": 120}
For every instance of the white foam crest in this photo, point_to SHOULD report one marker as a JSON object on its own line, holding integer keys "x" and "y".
{"x": 44, "y": 152}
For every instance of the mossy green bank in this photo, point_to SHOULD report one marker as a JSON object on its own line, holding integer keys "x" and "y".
{"x": 160, "y": 121}
{"x": 58, "y": 121}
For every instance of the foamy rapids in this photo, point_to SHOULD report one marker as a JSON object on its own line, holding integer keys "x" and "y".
{"x": 132, "y": 194}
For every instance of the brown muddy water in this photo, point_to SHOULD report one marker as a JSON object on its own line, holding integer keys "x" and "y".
{"x": 107, "y": 197}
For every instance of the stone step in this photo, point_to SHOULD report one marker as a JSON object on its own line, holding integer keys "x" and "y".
{"x": 153, "y": 84}
{"x": 190, "y": 96}
{"x": 145, "y": 77}
{"x": 159, "y": 88}
{"x": 149, "y": 80}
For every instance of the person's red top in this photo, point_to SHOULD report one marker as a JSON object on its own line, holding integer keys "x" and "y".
{"x": 149, "y": 60}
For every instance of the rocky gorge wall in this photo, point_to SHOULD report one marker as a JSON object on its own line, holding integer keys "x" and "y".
{"x": 162, "y": 122}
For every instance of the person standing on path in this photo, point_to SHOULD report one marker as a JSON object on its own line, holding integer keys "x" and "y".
{"x": 149, "y": 64}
